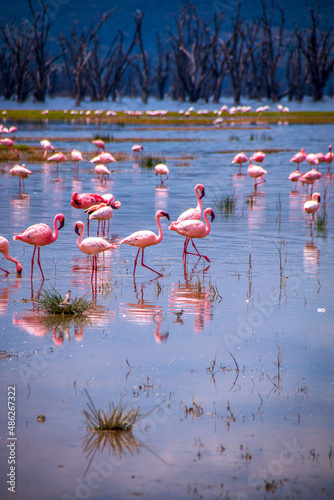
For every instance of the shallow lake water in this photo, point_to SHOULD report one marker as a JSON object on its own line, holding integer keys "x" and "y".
{"x": 231, "y": 362}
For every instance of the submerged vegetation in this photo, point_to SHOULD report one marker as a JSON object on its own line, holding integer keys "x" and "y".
{"x": 225, "y": 205}
{"x": 322, "y": 218}
{"x": 149, "y": 161}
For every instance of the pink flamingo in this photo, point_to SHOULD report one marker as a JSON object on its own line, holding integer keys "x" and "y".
{"x": 259, "y": 156}
{"x": 9, "y": 144}
{"x": 86, "y": 200}
{"x": 21, "y": 172}
{"x": 312, "y": 206}
{"x": 103, "y": 158}
{"x": 4, "y": 248}
{"x": 299, "y": 157}
{"x": 40, "y": 235}
{"x": 310, "y": 177}
{"x": 91, "y": 246}
{"x": 193, "y": 213}
{"x": 161, "y": 169}
{"x": 137, "y": 148}
{"x": 294, "y": 176}
{"x": 143, "y": 239}
{"x": 256, "y": 172}
{"x": 329, "y": 157}
{"x": 239, "y": 159}
{"x": 57, "y": 158}
{"x": 46, "y": 145}
{"x": 99, "y": 144}
{"x": 102, "y": 212}
{"x": 12, "y": 130}
{"x": 76, "y": 156}
{"x": 321, "y": 157}
{"x": 194, "y": 229}
{"x": 102, "y": 170}
{"x": 312, "y": 159}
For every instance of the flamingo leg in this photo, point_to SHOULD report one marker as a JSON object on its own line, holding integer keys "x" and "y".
{"x": 7, "y": 272}
{"x": 88, "y": 225}
{"x": 134, "y": 269}
{"x": 185, "y": 246}
{"x": 32, "y": 261}
{"x": 197, "y": 254}
{"x": 39, "y": 262}
{"x": 144, "y": 265}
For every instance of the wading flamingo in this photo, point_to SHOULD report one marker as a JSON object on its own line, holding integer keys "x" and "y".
{"x": 294, "y": 176}
{"x": 194, "y": 229}
{"x": 137, "y": 148}
{"x": 86, "y": 200}
{"x": 329, "y": 157}
{"x": 312, "y": 159}
{"x": 9, "y": 144}
{"x": 102, "y": 212}
{"x": 40, "y": 235}
{"x": 99, "y": 144}
{"x": 102, "y": 170}
{"x": 193, "y": 213}
{"x": 143, "y": 239}
{"x": 161, "y": 169}
{"x": 256, "y": 172}
{"x": 299, "y": 157}
{"x": 312, "y": 206}
{"x": 76, "y": 156}
{"x": 4, "y": 248}
{"x": 259, "y": 157}
{"x": 57, "y": 158}
{"x": 21, "y": 172}
{"x": 46, "y": 145}
{"x": 91, "y": 246}
{"x": 103, "y": 158}
{"x": 310, "y": 177}
{"x": 239, "y": 159}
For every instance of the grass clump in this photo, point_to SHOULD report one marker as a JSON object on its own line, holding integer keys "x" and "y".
{"x": 53, "y": 303}
{"x": 321, "y": 220}
{"x": 150, "y": 161}
{"x": 116, "y": 418}
{"x": 225, "y": 205}
{"x": 103, "y": 137}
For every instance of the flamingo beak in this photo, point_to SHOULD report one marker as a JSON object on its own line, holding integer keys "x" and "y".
{"x": 165, "y": 214}
{"x": 202, "y": 194}
{"x": 212, "y": 215}
{"x": 76, "y": 229}
{"x": 61, "y": 224}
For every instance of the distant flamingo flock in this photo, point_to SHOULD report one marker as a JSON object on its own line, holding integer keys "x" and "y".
{"x": 189, "y": 224}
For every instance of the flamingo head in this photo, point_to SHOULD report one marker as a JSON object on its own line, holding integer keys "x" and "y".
{"x": 78, "y": 226}
{"x": 202, "y": 190}
{"x": 316, "y": 197}
{"x": 74, "y": 201}
{"x": 115, "y": 204}
{"x": 163, "y": 214}
{"x": 211, "y": 213}
{"x": 330, "y": 148}
{"x": 61, "y": 220}
{"x": 19, "y": 268}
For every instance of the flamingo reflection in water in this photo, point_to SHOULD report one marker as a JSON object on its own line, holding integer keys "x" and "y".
{"x": 191, "y": 297}
{"x": 144, "y": 312}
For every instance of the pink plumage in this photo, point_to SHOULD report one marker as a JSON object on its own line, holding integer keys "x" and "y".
{"x": 256, "y": 172}
{"x": 4, "y": 248}
{"x": 161, "y": 169}
{"x": 146, "y": 238}
{"x": 103, "y": 158}
{"x": 299, "y": 157}
{"x": 194, "y": 229}
{"x": 259, "y": 156}
{"x": 99, "y": 144}
{"x": 40, "y": 235}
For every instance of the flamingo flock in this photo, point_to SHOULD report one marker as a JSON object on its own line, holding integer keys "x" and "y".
{"x": 189, "y": 224}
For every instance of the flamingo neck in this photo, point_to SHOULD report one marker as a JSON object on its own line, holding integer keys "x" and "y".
{"x": 16, "y": 262}
{"x": 207, "y": 223}
{"x": 199, "y": 201}
{"x": 160, "y": 235}
{"x": 55, "y": 229}
{"x": 82, "y": 230}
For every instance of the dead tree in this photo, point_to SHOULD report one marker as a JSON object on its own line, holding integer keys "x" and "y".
{"x": 19, "y": 42}
{"x": 7, "y": 76}
{"x": 162, "y": 71}
{"x": 255, "y": 66}
{"x": 236, "y": 54}
{"x": 43, "y": 60}
{"x": 296, "y": 73}
{"x": 317, "y": 45}
{"x": 77, "y": 53}
{"x": 219, "y": 64}
{"x": 274, "y": 50}
{"x": 191, "y": 51}
{"x": 142, "y": 65}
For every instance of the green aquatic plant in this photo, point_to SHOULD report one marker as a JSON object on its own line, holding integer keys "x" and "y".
{"x": 53, "y": 303}
{"x": 103, "y": 137}
{"x": 150, "y": 161}
{"x": 322, "y": 218}
{"x": 225, "y": 205}
{"x": 116, "y": 418}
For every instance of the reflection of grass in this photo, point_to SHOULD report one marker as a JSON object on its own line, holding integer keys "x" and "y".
{"x": 53, "y": 303}
{"x": 150, "y": 161}
{"x": 322, "y": 219}
{"x": 116, "y": 418}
